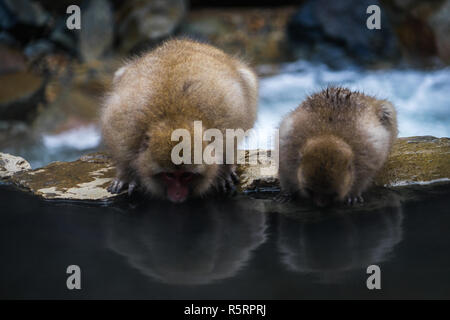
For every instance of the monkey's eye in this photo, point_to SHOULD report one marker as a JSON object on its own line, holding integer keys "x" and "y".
{"x": 186, "y": 176}
{"x": 168, "y": 175}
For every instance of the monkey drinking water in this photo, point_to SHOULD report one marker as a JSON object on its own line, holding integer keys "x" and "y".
{"x": 333, "y": 144}
{"x": 169, "y": 88}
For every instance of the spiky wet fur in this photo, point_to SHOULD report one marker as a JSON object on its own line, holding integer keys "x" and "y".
{"x": 335, "y": 141}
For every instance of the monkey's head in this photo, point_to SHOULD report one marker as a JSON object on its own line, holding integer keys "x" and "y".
{"x": 326, "y": 171}
{"x": 160, "y": 172}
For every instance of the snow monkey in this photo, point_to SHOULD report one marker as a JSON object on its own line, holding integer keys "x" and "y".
{"x": 332, "y": 145}
{"x": 169, "y": 88}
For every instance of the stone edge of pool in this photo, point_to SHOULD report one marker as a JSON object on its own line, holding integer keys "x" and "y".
{"x": 417, "y": 161}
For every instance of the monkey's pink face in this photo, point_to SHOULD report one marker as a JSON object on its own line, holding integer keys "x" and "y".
{"x": 178, "y": 184}
{"x": 175, "y": 183}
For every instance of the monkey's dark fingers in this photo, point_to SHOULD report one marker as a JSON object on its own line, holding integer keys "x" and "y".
{"x": 221, "y": 185}
{"x": 352, "y": 200}
{"x": 131, "y": 187}
{"x": 225, "y": 185}
{"x": 234, "y": 177}
{"x": 283, "y": 197}
{"x": 231, "y": 188}
{"x": 116, "y": 186}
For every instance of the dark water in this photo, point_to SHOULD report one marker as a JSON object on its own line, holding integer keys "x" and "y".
{"x": 222, "y": 249}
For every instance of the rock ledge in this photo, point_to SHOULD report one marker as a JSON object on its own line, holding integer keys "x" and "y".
{"x": 413, "y": 161}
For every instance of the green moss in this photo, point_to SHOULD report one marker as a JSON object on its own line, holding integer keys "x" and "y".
{"x": 416, "y": 159}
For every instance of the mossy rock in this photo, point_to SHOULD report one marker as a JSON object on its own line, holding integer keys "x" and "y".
{"x": 84, "y": 179}
{"x": 416, "y": 160}
{"x": 9, "y": 165}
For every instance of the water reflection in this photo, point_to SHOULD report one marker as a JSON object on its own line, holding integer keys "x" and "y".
{"x": 330, "y": 246}
{"x": 195, "y": 243}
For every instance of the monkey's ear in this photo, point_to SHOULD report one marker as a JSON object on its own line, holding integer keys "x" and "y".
{"x": 386, "y": 113}
{"x": 119, "y": 73}
{"x": 248, "y": 77}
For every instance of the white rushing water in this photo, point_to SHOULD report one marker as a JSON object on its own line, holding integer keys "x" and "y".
{"x": 422, "y": 98}
{"x": 82, "y": 138}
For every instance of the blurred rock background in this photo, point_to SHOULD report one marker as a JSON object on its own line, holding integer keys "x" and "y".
{"x": 52, "y": 78}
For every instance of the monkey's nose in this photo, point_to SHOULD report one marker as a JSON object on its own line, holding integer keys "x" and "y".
{"x": 177, "y": 197}
{"x": 177, "y": 194}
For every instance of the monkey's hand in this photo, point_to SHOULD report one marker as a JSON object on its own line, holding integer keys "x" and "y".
{"x": 354, "y": 199}
{"x": 284, "y": 197}
{"x": 117, "y": 186}
{"x": 226, "y": 183}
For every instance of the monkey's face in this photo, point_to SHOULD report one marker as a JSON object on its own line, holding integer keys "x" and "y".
{"x": 325, "y": 188}
{"x": 326, "y": 173}
{"x": 178, "y": 184}
{"x": 162, "y": 178}
{"x": 175, "y": 183}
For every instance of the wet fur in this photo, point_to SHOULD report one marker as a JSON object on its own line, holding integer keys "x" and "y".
{"x": 367, "y": 125}
{"x": 180, "y": 82}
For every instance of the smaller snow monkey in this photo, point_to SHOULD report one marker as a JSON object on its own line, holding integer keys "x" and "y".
{"x": 333, "y": 144}
{"x": 170, "y": 88}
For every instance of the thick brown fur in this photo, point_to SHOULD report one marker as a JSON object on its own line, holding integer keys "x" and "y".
{"x": 333, "y": 144}
{"x": 169, "y": 88}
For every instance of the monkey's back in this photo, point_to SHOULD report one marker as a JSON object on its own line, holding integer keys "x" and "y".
{"x": 179, "y": 82}
{"x": 366, "y": 124}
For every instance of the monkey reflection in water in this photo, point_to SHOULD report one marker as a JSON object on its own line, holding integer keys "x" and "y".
{"x": 331, "y": 246}
{"x": 198, "y": 242}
